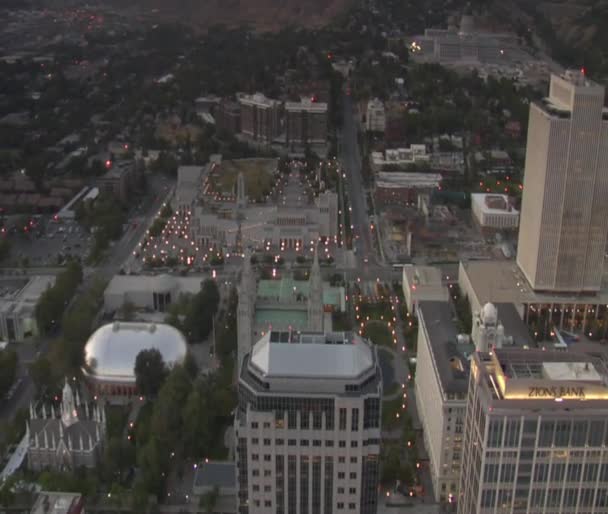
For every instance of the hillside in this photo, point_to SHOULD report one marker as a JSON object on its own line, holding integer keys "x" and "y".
{"x": 264, "y": 15}
{"x": 575, "y": 31}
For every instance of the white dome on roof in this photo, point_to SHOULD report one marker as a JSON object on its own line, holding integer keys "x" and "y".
{"x": 110, "y": 352}
{"x": 489, "y": 314}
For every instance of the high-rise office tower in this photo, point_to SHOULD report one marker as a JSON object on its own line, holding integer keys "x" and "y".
{"x": 564, "y": 215}
{"x": 536, "y": 434}
{"x": 308, "y": 425}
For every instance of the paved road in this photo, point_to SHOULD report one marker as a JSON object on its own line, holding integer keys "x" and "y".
{"x": 351, "y": 160}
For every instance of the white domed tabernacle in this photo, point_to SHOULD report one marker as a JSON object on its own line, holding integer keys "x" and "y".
{"x": 110, "y": 354}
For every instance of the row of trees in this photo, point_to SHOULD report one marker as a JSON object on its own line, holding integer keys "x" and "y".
{"x": 8, "y": 370}
{"x": 66, "y": 353}
{"x": 103, "y": 216}
{"x": 186, "y": 421}
{"x": 193, "y": 314}
{"x": 55, "y": 299}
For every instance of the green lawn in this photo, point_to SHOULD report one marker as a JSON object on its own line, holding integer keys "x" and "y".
{"x": 378, "y": 333}
{"x": 258, "y": 174}
{"x": 376, "y": 310}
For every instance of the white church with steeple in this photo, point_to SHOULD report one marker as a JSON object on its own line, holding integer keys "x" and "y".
{"x": 68, "y": 436}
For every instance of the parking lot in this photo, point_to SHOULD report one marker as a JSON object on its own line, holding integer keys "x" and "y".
{"x": 48, "y": 242}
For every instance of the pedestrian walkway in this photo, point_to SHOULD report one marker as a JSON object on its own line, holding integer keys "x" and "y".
{"x": 14, "y": 463}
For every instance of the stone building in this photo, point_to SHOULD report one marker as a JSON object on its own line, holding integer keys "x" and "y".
{"x": 66, "y": 438}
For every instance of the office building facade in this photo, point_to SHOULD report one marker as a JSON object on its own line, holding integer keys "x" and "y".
{"x": 308, "y": 425}
{"x": 562, "y": 236}
{"x": 259, "y": 117}
{"x": 535, "y": 434}
{"x": 306, "y": 122}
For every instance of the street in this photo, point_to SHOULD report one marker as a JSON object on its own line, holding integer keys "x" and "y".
{"x": 351, "y": 160}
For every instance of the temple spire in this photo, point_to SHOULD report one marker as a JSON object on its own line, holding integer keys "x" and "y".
{"x": 69, "y": 415}
{"x": 315, "y": 297}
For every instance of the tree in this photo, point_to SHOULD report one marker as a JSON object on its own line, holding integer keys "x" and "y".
{"x": 7, "y": 495}
{"x": 5, "y": 249}
{"x": 8, "y": 369}
{"x": 119, "y": 456}
{"x": 150, "y": 372}
{"x": 41, "y": 374}
{"x": 166, "y": 418}
{"x": 209, "y": 499}
{"x": 200, "y": 311}
{"x": 128, "y": 311}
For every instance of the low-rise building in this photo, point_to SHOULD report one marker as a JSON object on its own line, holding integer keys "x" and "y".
{"x": 494, "y": 211}
{"x": 423, "y": 283}
{"x": 153, "y": 293}
{"x": 18, "y": 299}
{"x": 58, "y": 503}
{"x": 400, "y": 157}
{"x": 375, "y": 120}
{"x": 220, "y": 476}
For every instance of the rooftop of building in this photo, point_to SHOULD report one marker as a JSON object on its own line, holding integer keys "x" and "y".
{"x": 306, "y": 104}
{"x": 493, "y": 203}
{"x": 281, "y": 318}
{"x": 311, "y": 355}
{"x": 451, "y": 357}
{"x": 538, "y": 375}
{"x": 121, "y": 284}
{"x": 503, "y": 282}
{"x": 57, "y": 503}
{"x": 289, "y": 290}
{"x": 111, "y": 351}
{"x": 215, "y": 474}
{"x": 23, "y": 293}
{"x": 258, "y": 99}
{"x": 425, "y": 276}
{"x": 451, "y": 353}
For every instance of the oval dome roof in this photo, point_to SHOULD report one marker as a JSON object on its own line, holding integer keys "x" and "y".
{"x": 111, "y": 350}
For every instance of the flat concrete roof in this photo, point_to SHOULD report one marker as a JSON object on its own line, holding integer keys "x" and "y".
{"x": 215, "y": 474}
{"x": 451, "y": 358}
{"x": 503, "y": 282}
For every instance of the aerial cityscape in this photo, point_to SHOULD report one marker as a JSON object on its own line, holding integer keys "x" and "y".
{"x": 341, "y": 256}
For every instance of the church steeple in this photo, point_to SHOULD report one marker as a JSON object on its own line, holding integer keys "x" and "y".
{"x": 315, "y": 297}
{"x": 247, "y": 294}
{"x": 69, "y": 415}
{"x": 241, "y": 192}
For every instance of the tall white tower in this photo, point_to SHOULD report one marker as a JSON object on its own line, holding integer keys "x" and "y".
{"x": 564, "y": 213}
{"x": 246, "y": 309}
{"x": 315, "y": 297}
